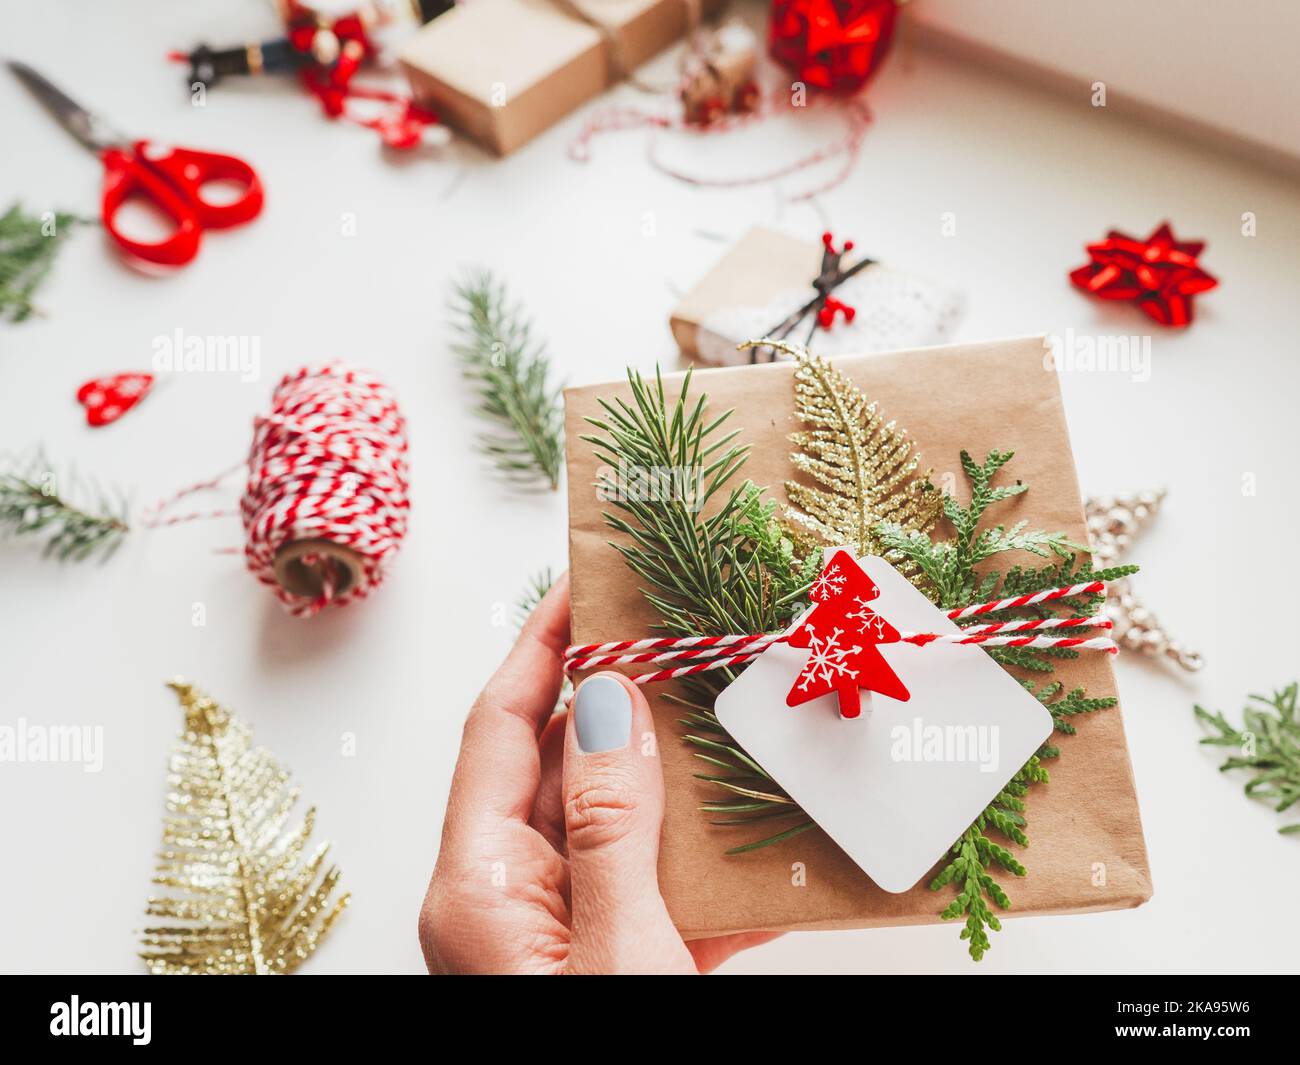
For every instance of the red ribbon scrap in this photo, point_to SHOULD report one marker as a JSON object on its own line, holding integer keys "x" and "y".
{"x": 1160, "y": 274}
{"x": 401, "y": 126}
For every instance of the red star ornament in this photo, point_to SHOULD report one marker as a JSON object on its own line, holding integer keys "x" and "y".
{"x": 1160, "y": 274}
{"x": 842, "y": 633}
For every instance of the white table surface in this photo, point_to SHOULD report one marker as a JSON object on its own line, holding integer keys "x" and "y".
{"x": 598, "y": 253}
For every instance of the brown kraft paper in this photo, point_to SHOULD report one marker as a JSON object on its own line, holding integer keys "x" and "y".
{"x": 502, "y": 71}
{"x": 1086, "y": 851}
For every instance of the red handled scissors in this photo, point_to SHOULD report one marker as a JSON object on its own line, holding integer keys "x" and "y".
{"x": 172, "y": 179}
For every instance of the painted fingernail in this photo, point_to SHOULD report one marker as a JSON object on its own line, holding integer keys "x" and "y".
{"x": 602, "y": 713}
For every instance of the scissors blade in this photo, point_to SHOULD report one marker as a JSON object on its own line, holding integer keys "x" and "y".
{"x": 88, "y": 128}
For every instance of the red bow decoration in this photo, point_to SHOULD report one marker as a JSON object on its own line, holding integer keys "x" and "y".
{"x": 402, "y": 126}
{"x": 1159, "y": 274}
{"x": 842, "y": 633}
{"x": 831, "y": 44}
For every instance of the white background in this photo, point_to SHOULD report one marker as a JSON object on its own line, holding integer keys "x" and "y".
{"x": 599, "y": 254}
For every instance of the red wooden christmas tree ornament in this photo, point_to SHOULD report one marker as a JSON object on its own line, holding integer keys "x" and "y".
{"x": 842, "y": 633}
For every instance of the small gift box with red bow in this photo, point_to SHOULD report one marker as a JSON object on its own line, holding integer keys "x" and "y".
{"x": 855, "y": 709}
{"x": 848, "y": 302}
{"x": 501, "y": 71}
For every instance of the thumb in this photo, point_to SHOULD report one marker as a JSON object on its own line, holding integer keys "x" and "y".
{"x": 613, "y": 812}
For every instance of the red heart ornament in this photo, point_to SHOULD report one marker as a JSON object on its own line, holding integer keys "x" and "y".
{"x": 107, "y": 398}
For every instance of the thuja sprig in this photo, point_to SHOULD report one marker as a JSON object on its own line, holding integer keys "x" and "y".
{"x": 34, "y": 503}
{"x": 952, "y": 579}
{"x": 512, "y": 372}
{"x": 1267, "y": 744}
{"x": 949, "y": 565}
{"x": 28, "y": 246}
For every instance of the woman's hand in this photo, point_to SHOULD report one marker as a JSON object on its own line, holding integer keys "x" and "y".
{"x": 549, "y": 848}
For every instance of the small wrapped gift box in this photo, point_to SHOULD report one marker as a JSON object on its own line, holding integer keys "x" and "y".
{"x": 1087, "y": 850}
{"x": 501, "y": 71}
{"x": 768, "y": 275}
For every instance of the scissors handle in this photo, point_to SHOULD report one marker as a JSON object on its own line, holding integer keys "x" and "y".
{"x": 189, "y": 170}
{"x": 127, "y": 175}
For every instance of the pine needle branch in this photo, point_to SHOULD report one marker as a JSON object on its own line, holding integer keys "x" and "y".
{"x": 1268, "y": 745}
{"x": 28, "y": 246}
{"x": 32, "y": 504}
{"x": 512, "y": 373}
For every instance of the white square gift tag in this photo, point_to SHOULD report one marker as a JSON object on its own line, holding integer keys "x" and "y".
{"x": 898, "y": 785}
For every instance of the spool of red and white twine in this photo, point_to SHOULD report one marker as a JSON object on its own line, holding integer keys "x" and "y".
{"x": 325, "y": 505}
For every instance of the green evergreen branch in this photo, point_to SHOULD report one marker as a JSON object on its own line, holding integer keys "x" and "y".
{"x": 512, "y": 373}
{"x": 31, "y": 505}
{"x": 28, "y": 246}
{"x": 1269, "y": 746}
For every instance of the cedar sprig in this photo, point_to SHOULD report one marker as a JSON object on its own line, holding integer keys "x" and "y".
{"x": 949, "y": 565}
{"x": 28, "y": 246}
{"x": 75, "y": 518}
{"x": 1268, "y": 744}
{"x": 512, "y": 372}
{"x": 952, "y": 579}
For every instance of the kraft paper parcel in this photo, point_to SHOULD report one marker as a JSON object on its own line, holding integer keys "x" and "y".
{"x": 978, "y": 397}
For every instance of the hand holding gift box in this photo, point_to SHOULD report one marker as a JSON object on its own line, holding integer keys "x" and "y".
{"x": 978, "y": 397}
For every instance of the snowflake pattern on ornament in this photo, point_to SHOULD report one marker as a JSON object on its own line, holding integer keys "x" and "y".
{"x": 828, "y": 584}
{"x": 827, "y": 660}
{"x": 869, "y": 622}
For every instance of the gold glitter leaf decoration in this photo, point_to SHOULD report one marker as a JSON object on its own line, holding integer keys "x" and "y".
{"x": 863, "y": 469}
{"x": 243, "y": 897}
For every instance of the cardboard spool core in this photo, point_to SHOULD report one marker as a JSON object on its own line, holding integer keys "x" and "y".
{"x": 335, "y": 565}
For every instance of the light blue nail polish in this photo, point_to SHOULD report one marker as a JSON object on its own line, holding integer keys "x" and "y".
{"x": 602, "y": 714}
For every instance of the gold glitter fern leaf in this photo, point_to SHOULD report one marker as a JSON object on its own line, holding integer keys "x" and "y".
{"x": 863, "y": 470}
{"x": 244, "y": 898}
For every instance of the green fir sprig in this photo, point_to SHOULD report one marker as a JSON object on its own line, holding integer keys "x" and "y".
{"x": 512, "y": 372}
{"x": 35, "y": 503}
{"x": 28, "y": 246}
{"x": 1268, "y": 745}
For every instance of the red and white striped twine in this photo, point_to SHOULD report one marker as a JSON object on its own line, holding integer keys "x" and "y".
{"x": 329, "y": 462}
{"x": 738, "y": 650}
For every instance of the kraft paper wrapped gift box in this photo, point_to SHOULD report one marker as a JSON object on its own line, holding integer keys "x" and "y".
{"x": 977, "y": 397}
{"x": 501, "y": 71}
